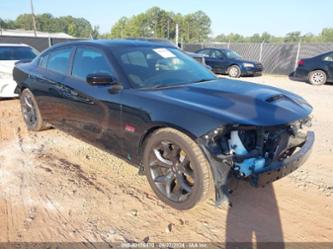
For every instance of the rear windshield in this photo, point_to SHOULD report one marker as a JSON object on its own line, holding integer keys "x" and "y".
{"x": 17, "y": 53}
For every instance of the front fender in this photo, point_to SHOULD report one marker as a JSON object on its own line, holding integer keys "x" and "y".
{"x": 220, "y": 169}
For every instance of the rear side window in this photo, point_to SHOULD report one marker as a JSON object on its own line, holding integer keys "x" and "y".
{"x": 328, "y": 57}
{"x": 58, "y": 60}
{"x": 17, "y": 53}
{"x": 43, "y": 61}
{"x": 89, "y": 61}
{"x": 217, "y": 54}
{"x": 205, "y": 52}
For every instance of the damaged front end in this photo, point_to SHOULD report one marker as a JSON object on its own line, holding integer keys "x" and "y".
{"x": 256, "y": 154}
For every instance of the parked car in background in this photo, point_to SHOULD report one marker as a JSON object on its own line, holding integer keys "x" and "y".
{"x": 317, "y": 70}
{"x": 153, "y": 105}
{"x": 199, "y": 58}
{"x": 9, "y": 55}
{"x": 226, "y": 61}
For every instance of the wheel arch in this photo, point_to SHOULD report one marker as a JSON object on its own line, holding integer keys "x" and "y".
{"x": 154, "y": 128}
{"x": 234, "y": 64}
{"x": 315, "y": 69}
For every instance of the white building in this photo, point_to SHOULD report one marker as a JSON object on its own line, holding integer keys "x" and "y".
{"x": 30, "y": 33}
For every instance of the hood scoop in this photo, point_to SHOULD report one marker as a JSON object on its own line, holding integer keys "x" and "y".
{"x": 276, "y": 98}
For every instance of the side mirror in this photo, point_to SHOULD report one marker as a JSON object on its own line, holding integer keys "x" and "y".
{"x": 100, "y": 79}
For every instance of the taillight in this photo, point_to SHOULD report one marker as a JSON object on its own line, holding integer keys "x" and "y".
{"x": 301, "y": 63}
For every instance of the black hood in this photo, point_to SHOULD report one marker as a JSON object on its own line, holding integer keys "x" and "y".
{"x": 235, "y": 102}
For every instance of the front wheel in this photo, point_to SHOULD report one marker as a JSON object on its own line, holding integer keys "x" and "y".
{"x": 30, "y": 111}
{"x": 177, "y": 169}
{"x": 317, "y": 77}
{"x": 234, "y": 71}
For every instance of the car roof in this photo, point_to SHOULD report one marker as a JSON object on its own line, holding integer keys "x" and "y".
{"x": 222, "y": 49}
{"x": 123, "y": 43}
{"x": 13, "y": 45}
{"x": 323, "y": 54}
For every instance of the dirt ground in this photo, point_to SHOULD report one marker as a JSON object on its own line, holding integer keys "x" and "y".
{"x": 54, "y": 187}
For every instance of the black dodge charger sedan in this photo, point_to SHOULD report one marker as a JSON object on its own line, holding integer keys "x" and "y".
{"x": 164, "y": 112}
{"x": 317, "y": 70}
{"x": 226, "y": 61}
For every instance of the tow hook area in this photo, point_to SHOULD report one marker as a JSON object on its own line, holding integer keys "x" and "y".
{"x": 248, "y": 166}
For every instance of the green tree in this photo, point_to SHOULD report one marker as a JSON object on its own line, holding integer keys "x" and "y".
{"x": 158, "y": 23}
{"x": 326, "y": 35}
{"x": 78, "y": 27}
{"x": 293, "y": 37}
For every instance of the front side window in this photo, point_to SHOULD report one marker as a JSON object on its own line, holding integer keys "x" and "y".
{"x": 159, "y": 67}
{"x": 89, "y": 61}
{"x": 58, "y": 60}
{"x": 232, "y": 54}
{"x": 135, "y": 58}
{"x": 17, "y": 53}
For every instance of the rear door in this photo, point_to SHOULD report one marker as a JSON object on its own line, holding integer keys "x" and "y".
{"x": 206, "y": 54}
{"x": 219, "y": 61}
{"x": 216, "y": 59}
{"x": 47, "y": 84}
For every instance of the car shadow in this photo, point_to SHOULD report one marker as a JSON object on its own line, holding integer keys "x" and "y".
{"x": 254, "y": 216}
{"x": 5, "y": 99}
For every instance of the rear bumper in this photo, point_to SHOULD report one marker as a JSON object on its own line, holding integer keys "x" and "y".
{"x": 279, "y": 169}
{"x": 301, "y": 74}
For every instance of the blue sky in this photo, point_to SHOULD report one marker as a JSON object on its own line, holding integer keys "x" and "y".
{"x": 246, "y": 17}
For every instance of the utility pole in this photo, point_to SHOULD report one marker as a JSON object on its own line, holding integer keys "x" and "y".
{"x": 33, "y": 18}
{"x": 168, "y": 28}
{"x": 177, "y": 34}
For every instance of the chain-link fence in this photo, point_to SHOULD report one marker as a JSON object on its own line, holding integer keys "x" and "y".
{"x": 276, "y": 58}
{"x": 39, "y": 43}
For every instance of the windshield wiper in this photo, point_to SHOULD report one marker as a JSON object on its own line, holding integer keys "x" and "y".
{"x": 161, "y": 85}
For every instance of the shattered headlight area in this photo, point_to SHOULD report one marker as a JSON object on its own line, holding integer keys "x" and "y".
{"x": 257, "y": 154}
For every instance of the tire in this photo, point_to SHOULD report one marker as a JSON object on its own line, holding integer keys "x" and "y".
{"x": 234, "y": 71}
{"x": 30, "y": 112}
{"x": 188, "y": 180}
{"x": 317, "y": 77}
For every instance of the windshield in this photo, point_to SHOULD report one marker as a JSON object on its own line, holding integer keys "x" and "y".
{"x": 232, "y": 54}
{"x": 17, "y": 53}
{"x": 147, "y": 67}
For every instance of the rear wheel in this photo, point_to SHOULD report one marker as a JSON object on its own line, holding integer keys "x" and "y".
{"x": 234, "y": 71}
{"x": 317, "y": 77}
{"x": 177, "y": 169}
{"x": 30, "y": 112}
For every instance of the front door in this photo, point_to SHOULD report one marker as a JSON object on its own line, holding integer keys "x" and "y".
{"x": 91, "y": 112}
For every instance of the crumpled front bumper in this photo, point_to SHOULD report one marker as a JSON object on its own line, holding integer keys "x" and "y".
{"x": 221, "y": 167}
{"x": 280, "y": 169}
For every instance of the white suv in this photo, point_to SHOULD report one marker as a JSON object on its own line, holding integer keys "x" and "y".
{"x": 9, "y": 54}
